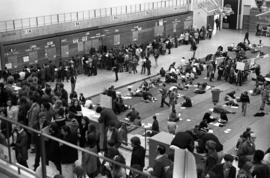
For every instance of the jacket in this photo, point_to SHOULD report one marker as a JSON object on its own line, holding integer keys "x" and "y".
{"x": 21, "y": 146}
{"x": 218, "y": 171}
{"x": 68, "y": 154}
{"x": 32, "y": 115}
{"x": 138, "y": 156}
{"x": 90, "y": 162}
{"x": 160, "y": 163}
{"x": 244, "y": 98}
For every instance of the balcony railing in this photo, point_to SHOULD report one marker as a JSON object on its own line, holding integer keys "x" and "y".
{"x": 8, "y": 155}
{"x": 113, "y": 14}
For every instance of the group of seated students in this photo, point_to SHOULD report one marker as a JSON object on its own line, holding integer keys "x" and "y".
{"x": 144, "y": 91}
{"x": 186, "y": 73}
{"x": 208, "y": 118}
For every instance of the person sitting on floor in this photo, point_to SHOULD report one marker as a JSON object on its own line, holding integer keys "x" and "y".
{"x": 133, "y": 114}
{"x": 201, "y": 88}
{"x": 207, "y": 116}
{"x": 173, "y": 116}
{"x": 148, "y": 97}
{"x": 223, "y": 118}
{"x": 203, "y": 126}
{"x": 231, "y": 99}
{"x": 220, "y": 109}
{"x": 187, "y": 103}
{"x": 162, "y": 72}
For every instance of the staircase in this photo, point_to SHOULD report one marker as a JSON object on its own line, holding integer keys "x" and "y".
{"x": 209, "y": 5}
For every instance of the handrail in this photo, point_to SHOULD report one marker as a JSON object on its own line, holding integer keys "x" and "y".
{"x": 34, "y": 22}
{"x": 40, "y": 133}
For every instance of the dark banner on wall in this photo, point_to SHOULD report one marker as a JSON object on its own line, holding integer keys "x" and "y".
{"x": 230, "y": 10}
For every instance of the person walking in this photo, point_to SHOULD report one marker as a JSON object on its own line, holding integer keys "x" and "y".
{"x": 246, "y": 37}
{"x": 148, "y": 66}
{"x": 164, "y": 94}
{"x": 244, "y": 98}
{"x": 217, "y": 24}
{"x": 116, "y": 70}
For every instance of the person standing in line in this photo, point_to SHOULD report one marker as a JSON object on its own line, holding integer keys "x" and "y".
{"x": 21, "y": 146}
{"x": 73, "y": 77}
{"x": 246, "y": 37}
{"x": 244, "y": 98}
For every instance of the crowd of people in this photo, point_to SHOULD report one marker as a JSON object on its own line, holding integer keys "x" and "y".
{"x": 26, "y": 98}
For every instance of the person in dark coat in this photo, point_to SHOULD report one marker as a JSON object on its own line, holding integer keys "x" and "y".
{"x": 107, "y": 116}
{"x": 116, "y": 70}
{"x": 261, "y": 170}
{"x": 148, "y": 66}
{"x": 138, "y": 153}
{"x": 203, "y": 138}
{"x": 246, "y": 37}
{"x": 68, "y": 155}
{"x": 184, "y": 140}
{"x": 155, "y": 126}
{"x": 224, "y": 170}
{"x": 187, "y": 103}
{"x": 21, "y": 146}
{"x": 244, "y": 98}
{"x": 3, "y": 95}
{"x": 53, "y": 147}
{"x": 160, "y": 163}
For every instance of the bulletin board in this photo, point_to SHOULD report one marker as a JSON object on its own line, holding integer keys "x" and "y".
{"x": 187, "y": 24}
{"x": 174, "y": 27}
{"x": 158, "y": 30}
{"x": 116, "y": 39}
{"x": 33, "y": 56}
{"x": 12, "y": 61}
{"x": 65, "y": 51}
{"x": 135, "y": 35}
{"x": 73, "y": 49}
{"x": 95, "y": 43}
{"x": 51, "y": 53}
{"x": 87, "y": 46}
{"x": 80, "y": 46}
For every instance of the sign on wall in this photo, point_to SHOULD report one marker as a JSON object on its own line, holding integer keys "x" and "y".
{"x": 116, "y": 39}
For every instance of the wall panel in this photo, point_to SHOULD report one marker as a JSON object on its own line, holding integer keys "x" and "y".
{"x": 17, "y": 54}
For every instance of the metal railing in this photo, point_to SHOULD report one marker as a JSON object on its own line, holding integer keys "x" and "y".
{"x": 42, "y": 137}
{"x": 115, "y": 14}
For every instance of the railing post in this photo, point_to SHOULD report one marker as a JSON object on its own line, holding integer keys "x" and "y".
{"x": 126, "y": 10}
{"x": 111, "y": 11}
{"x": 36, "y": 21}
{"x": 145, "y": 136}
{"x": 57, "y": 16}
{"x": 43, "y": 156}
{"x": 95, "y": 13}
{"x": 8, "y": 142}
